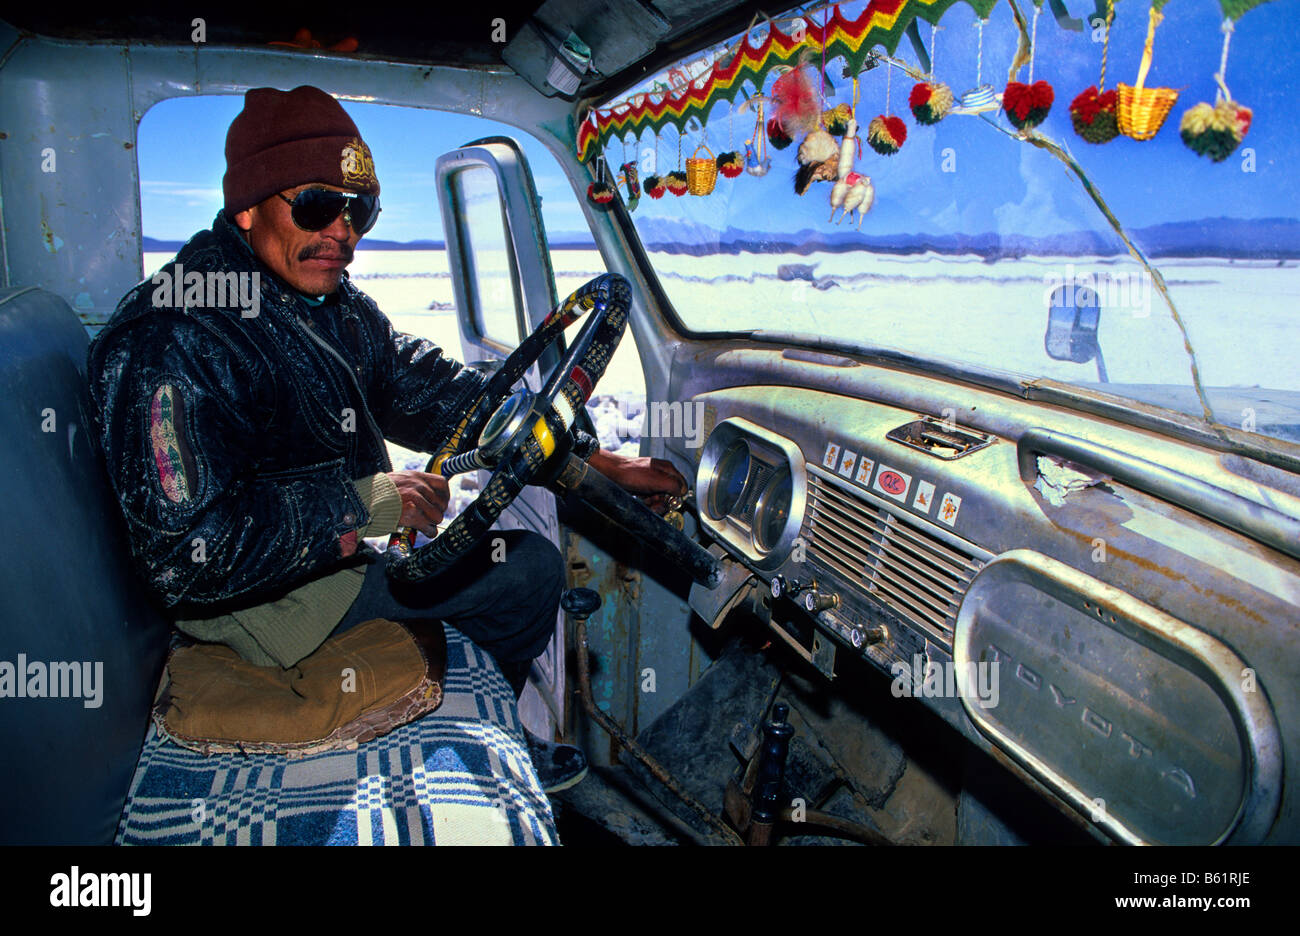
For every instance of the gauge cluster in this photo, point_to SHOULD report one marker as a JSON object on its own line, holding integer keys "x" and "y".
{"x": 753, "y": 490}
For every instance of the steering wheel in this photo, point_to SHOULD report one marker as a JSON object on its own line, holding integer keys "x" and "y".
{"x": 523, "y": 431}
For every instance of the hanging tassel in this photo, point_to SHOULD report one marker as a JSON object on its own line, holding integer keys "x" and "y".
{"x": 676, "y": 182}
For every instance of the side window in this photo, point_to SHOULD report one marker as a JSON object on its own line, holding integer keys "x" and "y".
{"x": 402, "y": 262}
{"x": 490, "y": 275}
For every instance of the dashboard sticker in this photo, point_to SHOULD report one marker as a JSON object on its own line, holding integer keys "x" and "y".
{"x": 865, "y": 467}
{"x": 948, "y": 509}
{"x": 893, "y": 483}
{"x": 924, "y": 496}
{"x": 846, "y": 466}
{"x": 832, "y": 456}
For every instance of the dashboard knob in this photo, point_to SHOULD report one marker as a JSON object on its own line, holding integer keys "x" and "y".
{"x": 778, "y": 586}
{"x": 814, "y": 601}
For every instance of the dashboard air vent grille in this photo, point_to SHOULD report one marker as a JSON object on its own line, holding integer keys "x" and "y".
{"x": 913, "y": 572}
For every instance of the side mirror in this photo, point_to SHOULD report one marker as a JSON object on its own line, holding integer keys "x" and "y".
{"x": 1073, "y": 315}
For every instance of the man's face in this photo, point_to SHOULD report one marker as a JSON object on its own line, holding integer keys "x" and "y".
{"x": 312, "y": 262}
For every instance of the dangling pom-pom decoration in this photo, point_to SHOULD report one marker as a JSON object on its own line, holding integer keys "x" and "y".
{"x": 886, "y": 134}
{"x": 1027, "y": 105}
{"x": 777, "y": 136}
{"x": 730, "y": 164}
{"x": 655, "y": 187}
{"x": 930, "y": 101}
{"x": 677, "y": 182}
{"x": 836, "y": 120}
{"x": 1093, "y": 115}
{"x": 600, "y": 192}
{"x": 1215, "y": 131}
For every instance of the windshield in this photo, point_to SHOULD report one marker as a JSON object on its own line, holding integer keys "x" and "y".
{"x": 969, "y": 240}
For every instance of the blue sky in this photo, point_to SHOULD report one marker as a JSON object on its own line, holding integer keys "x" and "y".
{"x": 999, "y": 184}
{"x": 182, "y": 161}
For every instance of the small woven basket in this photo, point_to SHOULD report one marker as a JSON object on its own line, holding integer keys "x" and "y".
{"x": 1141, "y": 111}
{"x": 701, "y": 172}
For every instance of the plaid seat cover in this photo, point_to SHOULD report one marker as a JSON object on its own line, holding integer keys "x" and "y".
{"x": 459, "y": 775}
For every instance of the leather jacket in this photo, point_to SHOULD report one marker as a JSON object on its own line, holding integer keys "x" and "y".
{"x": 236, "y": 483}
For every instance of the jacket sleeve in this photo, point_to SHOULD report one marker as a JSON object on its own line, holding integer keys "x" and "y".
{"x": 180, "y": 410}
{"x": 423, "y": 393}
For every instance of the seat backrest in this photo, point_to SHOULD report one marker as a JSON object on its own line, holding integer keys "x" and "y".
{"x": 67, "y": 595}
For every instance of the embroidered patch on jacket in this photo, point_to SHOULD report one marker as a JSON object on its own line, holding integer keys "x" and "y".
{"x": 357, "y": 165}
{"x": 176, "y": 471}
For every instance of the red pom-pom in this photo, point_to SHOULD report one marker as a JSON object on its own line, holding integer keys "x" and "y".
{"x": 920, "y": 94}
{"x": 655, "y": 187}
{"x": 897, "y": 129}
{"x": 886, "y": 135}
{"x": 677, "y": 183}
{"x": 1091, "y": 102}
{"x": 1093, "y": 115}
{"x": 1027, "y": 105}
{"x": 600, "y": 193}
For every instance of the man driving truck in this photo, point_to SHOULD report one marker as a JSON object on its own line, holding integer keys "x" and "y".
{"x": 244, "y": 436}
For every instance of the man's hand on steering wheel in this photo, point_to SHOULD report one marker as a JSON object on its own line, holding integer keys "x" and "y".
{"x": 653, "y": 478}
{"x": 425, "y": 497}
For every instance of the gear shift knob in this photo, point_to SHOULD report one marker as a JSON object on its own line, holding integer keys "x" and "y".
{"x": 580, "y": 601}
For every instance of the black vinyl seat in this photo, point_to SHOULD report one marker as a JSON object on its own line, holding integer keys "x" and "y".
{"x": 67, "y": 594}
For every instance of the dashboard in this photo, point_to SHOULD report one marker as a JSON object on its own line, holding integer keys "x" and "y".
{"x": 1089, "y": 635}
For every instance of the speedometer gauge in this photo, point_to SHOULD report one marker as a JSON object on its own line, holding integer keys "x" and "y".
{"x": 772, "y": 514}
{"x": 733, "y": 471}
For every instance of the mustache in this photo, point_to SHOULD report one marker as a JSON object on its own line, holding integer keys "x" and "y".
{"x": 333, "y": 251}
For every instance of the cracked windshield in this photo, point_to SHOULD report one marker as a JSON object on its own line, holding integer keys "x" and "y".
{"x": 1101, "y": 195}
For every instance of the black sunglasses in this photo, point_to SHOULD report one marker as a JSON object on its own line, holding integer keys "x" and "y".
{"x": 316, "y": 209}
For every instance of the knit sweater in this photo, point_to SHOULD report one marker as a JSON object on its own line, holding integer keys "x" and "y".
{"x": 283, "y": 631}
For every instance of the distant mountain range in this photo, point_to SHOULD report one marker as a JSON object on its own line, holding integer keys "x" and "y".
{"x": 1209, "y": 237}
{"x": 1261, "y": 238}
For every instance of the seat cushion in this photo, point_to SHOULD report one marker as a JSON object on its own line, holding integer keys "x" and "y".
{"x": 459, "y": 775}
{"x": 358, "y": 685}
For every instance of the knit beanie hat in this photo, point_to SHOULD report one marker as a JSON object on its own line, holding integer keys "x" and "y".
{"x": 282, "y": 139}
